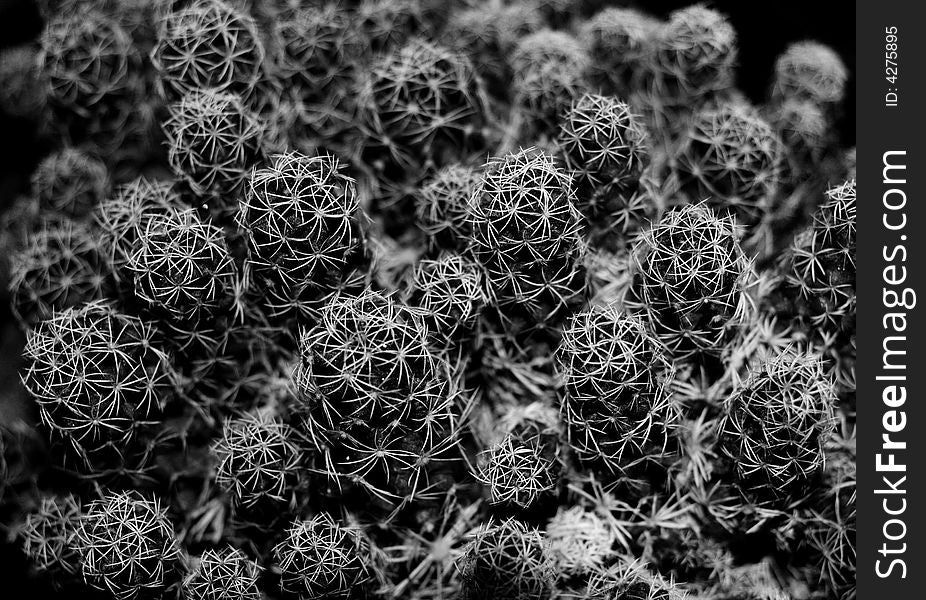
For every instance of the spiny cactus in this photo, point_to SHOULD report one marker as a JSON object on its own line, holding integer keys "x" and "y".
{"x": 23, "y": 91}
{"x": 183, "y": 270}
{"x": 320, "y": 558}
{"x": 774, "y": 427}
{"x": 97, "y": 376}
{"x": 581, "y": 541}
{"x": 223, "y": 574}
{"x": 70, "y": 182}
{"x": 820, "y": 269}
{"x": 61, "y": 266}
{"x": 442, "y": 206}
{"x": 209, "y": 45}
{"x": 694, "y": 55}
{"x": 619, "y": 41}
{"x": 527, "y": 235}
{"x": 810, "y": 71}
{"x": 421, "y": 105}
{"x": 732, "y": 158}
{"x": 377, "y": 403}
{"x": 505, "y": 560}
{"x": 122, "y": 219}
{"x": 127, "y": 546}
{"x": 604, "y": 146}
{"x": 690, "y": 280}
{"x": 615, "y": 401}
{"x": 304, "y": 227}
{"x": 258, "y": 460}
{"x": 804, "y": 131}
{"x": 518, "y": 472}
{"x": 49, "y": 534}
{"x": 213, "y": 141}
{"x": 386, "y": 24}
{"x": 449, "y": 292}
{"x": 629, "y": 580}
{"x": 549, "y": 73}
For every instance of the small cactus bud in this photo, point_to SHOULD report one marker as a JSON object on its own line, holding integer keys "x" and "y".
{"x": 23, "y": 90}
{"x": 49, "y": 535}
{"x": 225, "y": 574}
{"x": 442, "y": 206}
{"x": 449, "y": 292}
{"x": 517, "y": 472}
{"x": 810, "y": 71}
{"x": 618, "y": 40}
{"x": 581, "y": 542}
{"x": 386, "y": 24}
{"x": 70, "y": 182}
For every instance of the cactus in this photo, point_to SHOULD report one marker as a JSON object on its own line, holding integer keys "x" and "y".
{"x": 690, "y": 281}
{"x": 442, "y": 206}
{"x": 97, "y": 376}
{"x": 629, "y": 579}
{"x": 732, "y": 158}
{"x": 804, "y": 131}
{"x": 208, "y": 45}
{"x": 320, "y": 558}
{"x": 421, "y": 105}
{"x": 549, "y": 73}
{"x": 127, "y": 546}
{"x": 386, "y": 24}
{"x": 62, "y": 266}
{"x": 376, "y": 402}
{"x": 258, "y": 460}
{"x": 810, "y": 71}
{"x": 213, "y": 141}
{"x": 505, "y": 560}
{"x": 619, "y": 42}
{"x": 49, "y": 535}
{"x": 224, "y": 574}
{"x": 527, "y": 236}
{"x": 70, "y": 182}
{"x": 304, "y": 227}
{"x": 449, "y": 292}
{"x": 615, "y": 400}
{"x": 581, "y": 541}
{"x": 774, "y": 427}
{"x": 519, "y": 472}
{"x": 23, "y": 91}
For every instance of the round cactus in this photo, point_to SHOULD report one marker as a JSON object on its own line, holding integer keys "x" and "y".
{"x": 442, "y": 206}
{"x": 731, "y": 158}
{"x": 604, "y": 145}
{"x": 549, "y": 73}
{"x": 70, "y": 182}
{"x": 208, "y": 45}
{"x": 213, "y": 141}
{"x": 97, "y": 376}
{"x": 304, "y": 227}
{"x": 581, "y": 541}
{"x": 61, "y": 266}
{"x": 320, "y": 558}
{"x": 619, "y": 41}
{"x": 626, "y": 580}
{"x": 505, "y": 560}
{"x": 127, "y": 546}
{"x": 804, "y": 131}
{"x": 257, "y": 460}
{"x": 810, "y": 71}
{"x": 23, "y": 91}
{"x": 527, "y": 235}
{"x": 182, "y": 269}
{"x": 774, "y": 428}
{"x": 49, "y": 534}
{"x": 690, "y": 279}
{"x": 616, "y": 400}
{"x": 225, "y": 574}
{"x": 122, "y": 219}
{"x": 386, "y": 24}
{"x": 376, "y": 401}
{"x": 449, "y": 292}
{"x": 421, "y": 104}
{"x": 694, "y": 55}
{"x": 518, "y": 472}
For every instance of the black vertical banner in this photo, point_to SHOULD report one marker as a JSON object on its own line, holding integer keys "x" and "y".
{"x": 891, "y": 370}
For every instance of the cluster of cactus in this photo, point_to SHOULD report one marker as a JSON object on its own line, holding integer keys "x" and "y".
{"x": 409, "y": 301}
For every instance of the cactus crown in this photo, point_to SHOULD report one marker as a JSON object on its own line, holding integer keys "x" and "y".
{"x": 61, "y": 266}
{"x": 70, "y": 182}
{"x": 183, "y": 268}
{"x": 224, "y": 574}
{"x": 318, "y": 46}
{"x": 127, "y": 545}
{"x": 549, "y": 73}
{"x": 517, "y": 471}
{"x": 581, "y": 541}
{"x": 388, "y": 23}
{"x": 689, "y": 279}
{"x": 257, "y": 459}
{"x": 442, "y": 206}
{"x": 506, "y": 560}
{"x": 22, "y": 87}
{"x": 320, "y": 558}
{"x": 96, "y": 376}
{"x": 212, "y": 141}
{"x": 49, "y": 534}
{"x": 774, "y": 427}
{"x": 207, "y": 45}
{"x": 449, "y": 292}
{"x": 810, "y": 71}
